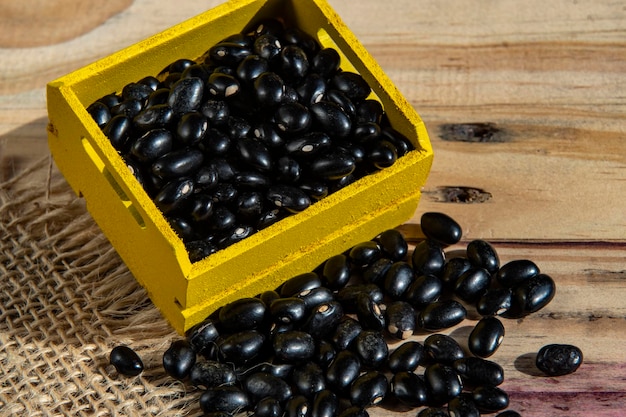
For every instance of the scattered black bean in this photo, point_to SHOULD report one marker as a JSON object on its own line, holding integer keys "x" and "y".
{"x": 126, "y": 361}
{"x": 486, "y": 337}
{"x": 372, "y": 348}
{"x": 531, "y": 296}
{"x": 490, "y": 399}
{"x": 407, "y": 357}
{"x": 208, "y": 374}
{"x": 369, "y": 389}
{"x": 442, "y": 348}
{"x": 401, "y": 319}
{"x": 179, "y": 359}
{"x": 293, "y": 346}
{"x": 478, "y": 371}
{"x": 443, "y": 383}
{"x": 325, "y": 404}
{"x": 228, "y": 399}
{"x": 559, "y": 359}
{"x": 483, "y": 255}
{"x": 441, "y": 315}
{"x": 409, "y": 388}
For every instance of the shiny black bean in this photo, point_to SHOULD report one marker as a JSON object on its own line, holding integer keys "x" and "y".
{"x": 463, "y": 406}
{"x": 265, "y": 26}
{"x": 178, "y": 163}
{"x": 170, "y": 79}
{"x": 269, "y": 296}
{"x": 202, "y": 335}
{"x": 398, "y": 279}
{"x": 347, "y": 296}
{"x": 369, "y": 389}
{"x": 453, "y": 269}
{"x": 269, "y": 89}
{"x": 287, "y": 170}
{"x": 311, "y": 90}
{"x": 339, "y": 98}
{"x": 314, "y": 189}
{"x": 216, "y": 111}
{"x": 336, "y": 271}
{"x": 229, "y": 53}
{"x": 236, "y": 234}
{"x": 486, "y": 337}
{"x": 424, "y": 290}
{"x": 288, "y": 310}
{"x": 200, "y": 207}
{"x": 325, "y": 404}
{"x": 126, "y": 361}
{"x": 369, "y": 111}
{"x": 428, "y": 258}
{"x": 308, "y": 379}
{"x": 267, "y": 46}
{"x": 295, "y": 36}
{"x": 441, "y": 315}
{"x": 192, "y": 128}
{"x": 288, "y": 197}
{"x": 558, "y": 359}
{"x": 433, "y": 412}
{"x": 222, "y": 86}
{"x": 268, "y": 407}
{"x": 293, "y": 346}
{"x": 531, "y": 296}
{"x": 128, "y": 107}
{"x": 516, "y": 272}
{"x": 325, "y": 62}
{"x": 393, "y": 244}
{"x": 255, "y": 154}
{"x": 136, "y": 91}
{"x": 174, "y": 194}
{"x": 242, "y": 314}
{"x": 251, "y": 67}
{"x": 407, "y": 357}
{"x": 299, "y": 283}
{"x": 479, "y": 371}
{"x": 178, "y": 359}
{"x": 354, "y": 411}
{"x": 297, "y": 406}
{"x": 118, "y": 130}
{"x": 152, "y": 145}
{"x": 352, "y": 85}
{"x": 267, "y": 133}
{"x": 400, "y": 142}
{"x": 226, "y": 171}
{"x": 208, "y": 374}
{"x": 179, "y": 65}
{"x": 409, "y": 388}
{"x": 365, "y": 131}
{"x": 441, "y": 228}
{"x": 472, "y": 284}
{"x": 228, "y": 399}
{"x": 241, "y": 347}
{"x": 443, "y": 383}
{"x": 483, "y": 255}
{"x": 201, "y": 71}
{"x": 401, "y": 319}
{"x": 343, "y": 370}
{"x": 380, "y": 153}
{"x": 441, "y": 348}
{"x": 222, "y": 219}
{"x": 183, "y": 228}
{"x": 365, "y": 253}
{"x": 205, "y": 179}
{"x": 186, "y": 95}
{"x": 372, "y": 348}
{"x": 279, "y": 370}
{"x": 332, "y": 166}
{"x": 159, "y": 96}
{"x": 331, "y": 119}
{"x": 100, "y": 113}
{"x": 490, "y": 399}
{"x": 110, "y": 100}
{"x": 160, "y": 115}
{"x": 375, "y": 273}
{"x": 199, "y": 249}
{"x": 215, "y": 143}
{"x": 293, "y": 62}
{"x": 345, "y": 333}
{"x": 308, "y": 144}
{"x": 494, "y": 301}
{"x": 323, "y": 319}
{"x": 238, "y": 128}
{"x": 369, "y": 313}
{"x": 292, "y": 118}
{"x": 262, "y": 384}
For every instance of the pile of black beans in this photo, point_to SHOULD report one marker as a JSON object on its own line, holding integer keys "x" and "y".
{"x": 264, "y": 124}
{"x": 319, "y": 345}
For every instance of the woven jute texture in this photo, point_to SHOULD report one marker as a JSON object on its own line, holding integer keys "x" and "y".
{"x": 66, "y": 300}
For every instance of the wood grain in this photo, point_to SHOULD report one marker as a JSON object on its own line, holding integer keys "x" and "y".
{"x": 548, "y": 76}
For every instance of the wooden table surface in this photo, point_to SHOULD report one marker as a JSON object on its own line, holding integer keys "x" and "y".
{"x": 525, "y": 103}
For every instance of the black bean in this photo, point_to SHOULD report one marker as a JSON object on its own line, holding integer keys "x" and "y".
{"x": 201, "y": 71}
{"x": 228, "y": 399}
{"x": 268, "y": 407}
{"x": 160, "y": 115}
{"x": 110, "y": 100}
{"x": 251, "y": 67}
{"x": 136, "y": 91}
{"x": 401, "y": 143}
{"x": 332, "y": 166}
{"x": 325, "y": 404}
{"x": 199, "y": 249}
{"x": 407, "y": 357}
{"x": 472, "y": 284}
{"x": 312, "y": 89}
{"x": 216, "y": 111}
{"x": 343, "y": 370}
{"x": 269, "y": 89}
{"x": 428, "y": 258}
{"x": 441, "y": 315}
{"x": 443, "y": 383}
{"x": 226, "y": 171}
{"x": 514, "y": 273}
{"x": 440, "y": 228}
{"x": 186, "y": 95}
{"x": 331, "y": 118}
{"x": 352, "y": 85}
{"x": 299, "y": 283}
{"x": 325, "y": 62}
{"x": 202, "y": 335}
{"x": 442, "y": 348}
{"x": 129, "y": 108}
{"x": 339, "y": 98}
{"x": 483, "y": 255}
{"x": 288, "y": 197}
{"x": 559, "y": 359}
{"x": 178, "y": 163}
{"x": 494, "y": 301}
{"x": 490, "y": 399}
{"x": 269, "y": 296}
{"x": 369, "y": 111}
{"x": 208, "y": 374}
{"x": 336, "y": 271}
{"x": 126, "y": 361}
{"x": 393, "y": 244}
{"x": 369, "y": 312}
{"x": 255, "y": 153}
{"x": 262, "y": 384}
{"x": 152, "y": 145}
{"x": 288, "y": 310}
{"x": 347, "y": 296}
{"x": 453, "y": 269}
{"x": 178, "y": 359}
{"x": 308, "y": 144}
{"x": 365, "y": 254}
{"x": 222, "y": 219}
{"x": 293, "y": 346}
{"x": 486, "y": 337}
{"x": 354, "y": 411}
{"x": 238, "y": 127}
{"x": 509, "y": 413}
{"x": 100, "y": 113}
{"x": 287, "y": 170}
{"x": 118, "y": 130}
{"x": 174, "y": 194}
{"x": 159, "y": 96}
{"x": 297, "y": 406}
{"x": 380, "y": 153}
{"x": 292, "y": 118}
{"x": 325, "y": 353}
{"x": 265, "y": 26}
{"x": 200, "y": 207}
{"x": 433, "y": 412}
{"x": 179, "y": 65}
{"x": 215, "y": 143}
{"x": 222, "y": 86}
{"x": 409, "y": 388}
{"x": 401, "y": 319}
{"x": 295, "y": 36}
{"x": 229, "y": 53}
{"x": 375, "y": 273}
{"x": 323, "y": 319}
{"x": 365, "y": 131}
{"x": 479, "y": 371}
{"x": 308, "y": 379}
{"x": 235, "y": 234}
{"x": 531, "y": 296}
{"x": 316, "y": 297}
{"x": 424, "y": 290}
{"x": 279, "y": 370}
{"x": 369, "y": 389}
{"x": 463, "y": 406}
{"x": 372, "y": 348}
{"x": 267, "y": 46}
{"x": 241, "y": 347}
{"x": 192, "y": 128}
{"x": 293, "y": 62}
{"x": 346, "y": 332}
{"x": 314, "y": 189}
{"x": 398, "y": 279}
{"x": 242, "y": 314}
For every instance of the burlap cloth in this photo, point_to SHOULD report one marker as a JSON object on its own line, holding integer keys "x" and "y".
{"x": 66, "y": 300}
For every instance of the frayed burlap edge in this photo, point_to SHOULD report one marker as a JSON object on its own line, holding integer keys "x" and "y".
{"x": 66, "y": 300}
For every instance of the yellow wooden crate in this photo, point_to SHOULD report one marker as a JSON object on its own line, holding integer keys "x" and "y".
{"x": 187, "y": 292}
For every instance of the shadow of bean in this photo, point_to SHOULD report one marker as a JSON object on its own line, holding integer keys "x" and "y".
{"x": 526, "y": 364}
